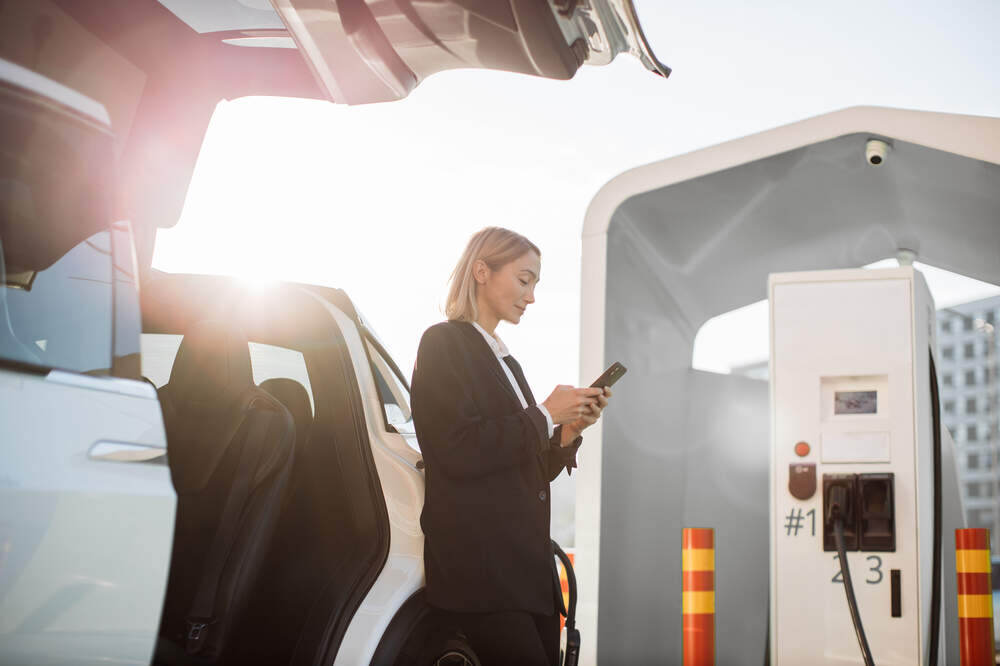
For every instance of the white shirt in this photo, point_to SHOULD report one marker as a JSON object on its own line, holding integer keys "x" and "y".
{"x": 500, "y": 350}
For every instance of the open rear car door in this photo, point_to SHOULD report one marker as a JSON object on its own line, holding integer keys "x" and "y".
{"x": 161, "y": 66}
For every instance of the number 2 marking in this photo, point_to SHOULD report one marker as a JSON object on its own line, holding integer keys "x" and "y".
{"x": 875, "y": 568}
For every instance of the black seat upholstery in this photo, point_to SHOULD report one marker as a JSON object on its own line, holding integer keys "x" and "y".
{"x": 230, "y": 448}
{"x": 295, "y": 398}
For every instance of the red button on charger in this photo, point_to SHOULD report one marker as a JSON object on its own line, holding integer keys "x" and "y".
{"x": 802, "y": 449}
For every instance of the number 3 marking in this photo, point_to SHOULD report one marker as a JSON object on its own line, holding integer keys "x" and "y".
{"x": 875, "y": 568}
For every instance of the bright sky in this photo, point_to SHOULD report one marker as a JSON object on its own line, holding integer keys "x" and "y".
{"x": 380, "y": 200}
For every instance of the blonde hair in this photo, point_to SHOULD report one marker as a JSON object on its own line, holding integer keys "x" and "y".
{"x": 497, "y": 247}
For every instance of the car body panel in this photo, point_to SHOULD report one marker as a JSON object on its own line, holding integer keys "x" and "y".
{"x": 84, "y": 542}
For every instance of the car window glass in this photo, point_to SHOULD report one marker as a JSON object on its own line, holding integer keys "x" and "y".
{"x": 60, "y": 315}
{"x": 393, "y": 394}
{"x": 127, "y": 317}
{"x": 268, "y": 361}
{"x": 56, "y": 185}
{"x": 271, "y": 361}
{"x": 158, "y": 353}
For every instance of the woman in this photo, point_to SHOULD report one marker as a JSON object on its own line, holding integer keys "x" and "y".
{"x": 489, "y": 454}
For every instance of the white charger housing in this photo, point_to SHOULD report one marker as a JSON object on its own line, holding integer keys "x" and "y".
{"x": 851, "y": 378}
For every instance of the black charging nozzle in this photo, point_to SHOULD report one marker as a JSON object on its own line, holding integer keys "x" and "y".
{"x": 838, "y": 504}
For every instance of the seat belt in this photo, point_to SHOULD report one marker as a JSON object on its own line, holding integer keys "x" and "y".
{"x": 202, "y": 614}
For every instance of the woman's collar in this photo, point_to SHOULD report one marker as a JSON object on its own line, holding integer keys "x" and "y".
{"x": 495, "y": 343}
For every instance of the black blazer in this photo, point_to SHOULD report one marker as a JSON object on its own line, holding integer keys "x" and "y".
{"x": 488, "y": 463}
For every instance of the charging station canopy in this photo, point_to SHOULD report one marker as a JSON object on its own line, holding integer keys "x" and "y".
{"x": 669, "y": 245}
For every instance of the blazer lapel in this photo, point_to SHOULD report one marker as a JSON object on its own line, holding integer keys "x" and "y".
{"x": 493, "y": 363}
{"x": 522, "y": 382}
{"x": 489, "y": 359}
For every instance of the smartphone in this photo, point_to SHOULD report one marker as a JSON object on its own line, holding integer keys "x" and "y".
{"x": 610, "y": 376}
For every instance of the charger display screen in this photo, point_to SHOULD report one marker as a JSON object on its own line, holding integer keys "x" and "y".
{"x": 855, "y": 402}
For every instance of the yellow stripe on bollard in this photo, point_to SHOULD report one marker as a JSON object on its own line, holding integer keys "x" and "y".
{"x": 698, "y": 602}
{"x": 972, "y": 561}
{"x": 698, "y": 559}
{"x": 975, "y": 605}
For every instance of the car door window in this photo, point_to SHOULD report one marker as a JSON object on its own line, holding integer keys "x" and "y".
{"x": 126, "y": 358}
{"x": 272, "y": 361}
{"x": 56, "y": 187}
{"x": 268, "y": 361}
{"x": 60, "y": 316}
{"x": 393, "y": 393}
{"x": 158, "y": 353}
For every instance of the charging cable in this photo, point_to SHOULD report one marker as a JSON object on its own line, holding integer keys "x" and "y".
{"x": 935, "y": 630}
{"x": 838, "y": 503}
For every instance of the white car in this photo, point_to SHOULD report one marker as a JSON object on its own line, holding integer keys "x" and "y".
{"x": 191, "y": 471}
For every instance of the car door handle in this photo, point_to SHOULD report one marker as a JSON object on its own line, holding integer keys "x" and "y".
{"x": 127, "y": 452}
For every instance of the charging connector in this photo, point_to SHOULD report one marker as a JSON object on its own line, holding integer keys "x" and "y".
{"x": 840, "y": 498}
{"x": 838, "y": 508}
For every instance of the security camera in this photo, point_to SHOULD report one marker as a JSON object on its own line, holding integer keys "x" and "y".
{"x": 876, "y": 151}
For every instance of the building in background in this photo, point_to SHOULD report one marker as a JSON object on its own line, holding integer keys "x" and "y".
{"x": 967, "y": 358}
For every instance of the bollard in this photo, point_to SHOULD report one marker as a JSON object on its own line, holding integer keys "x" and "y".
{"x": 975, "y": 596}
{"x": 698, "y": 596}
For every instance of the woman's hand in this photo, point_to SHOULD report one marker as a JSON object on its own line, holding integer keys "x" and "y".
{"x": 567, "y": 404}
{"x": 572, "y": 430}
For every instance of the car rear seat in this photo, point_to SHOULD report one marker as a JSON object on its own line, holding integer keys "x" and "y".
{"x": 295, "y": 398}
{"x": 230, "y": 448}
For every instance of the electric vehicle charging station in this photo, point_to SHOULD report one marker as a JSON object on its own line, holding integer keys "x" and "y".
{"x": 668, "y": 246}
{"x": 855, "y": 439}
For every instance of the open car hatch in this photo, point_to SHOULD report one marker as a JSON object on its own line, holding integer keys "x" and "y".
{"x": 363, "y": 51}
{"x": 160, "y": 67}
{"x": 379, "y": 50}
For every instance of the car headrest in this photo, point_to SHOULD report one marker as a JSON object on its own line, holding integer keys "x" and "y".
{"x": 295, "y": 398}
{"x": 212, "y": 367}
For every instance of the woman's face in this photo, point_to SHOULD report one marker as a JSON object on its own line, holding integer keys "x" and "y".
{"x": 504, "y": 294}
